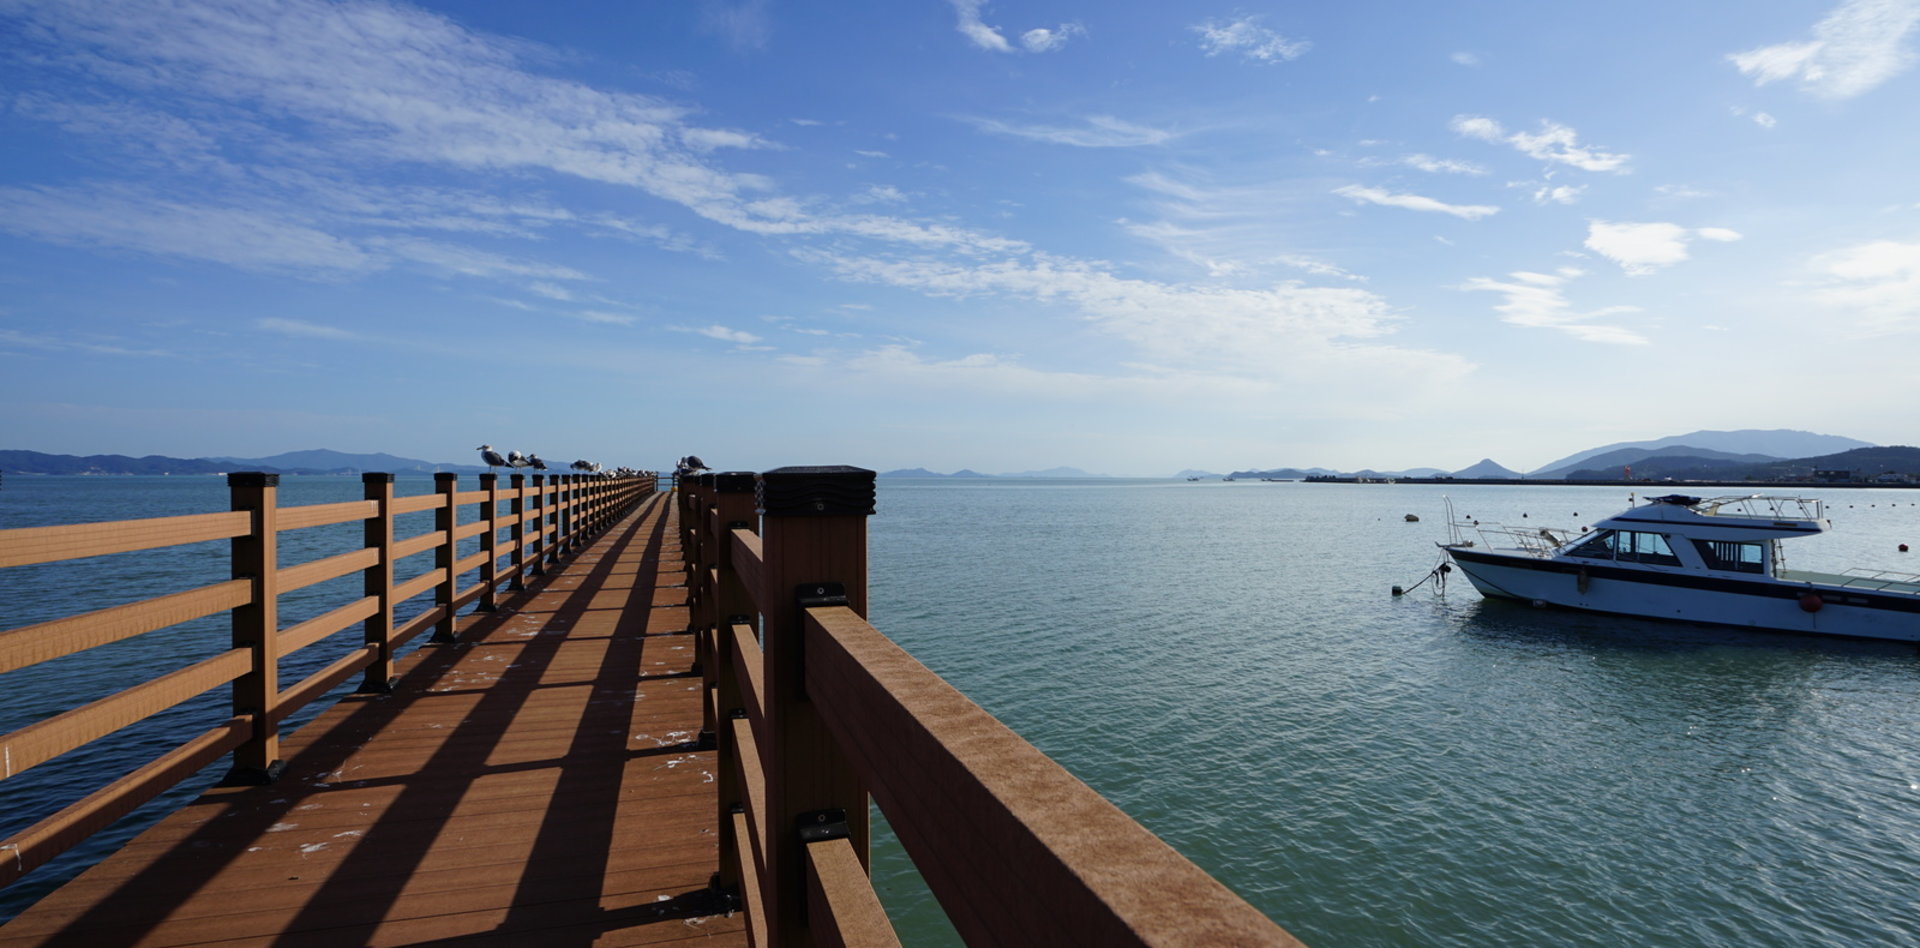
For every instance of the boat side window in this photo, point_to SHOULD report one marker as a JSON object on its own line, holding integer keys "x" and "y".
{"x": 1730, "y": 555}
{"x": 1597, "y": 547}
{"x": 1650, "y": 548}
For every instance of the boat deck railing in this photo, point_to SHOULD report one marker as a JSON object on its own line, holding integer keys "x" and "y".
{"x": 1876, "y": 580}
{"x": 1540, "y": 542}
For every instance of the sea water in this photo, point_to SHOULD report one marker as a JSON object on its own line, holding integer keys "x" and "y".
{"x": 1226, "y": 662}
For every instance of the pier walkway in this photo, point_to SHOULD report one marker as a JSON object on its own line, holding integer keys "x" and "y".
{"x": 537, "y": 781}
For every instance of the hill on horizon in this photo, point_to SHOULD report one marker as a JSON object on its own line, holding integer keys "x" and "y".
{"x": 1779, "y": 443}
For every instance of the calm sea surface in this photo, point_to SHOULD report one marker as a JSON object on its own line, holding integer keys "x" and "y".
{"x": 1226, "y": 663}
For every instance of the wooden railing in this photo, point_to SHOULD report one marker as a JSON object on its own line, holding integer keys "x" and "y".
{"x": 813, "y": 712}
{"x": 542, "y": 521}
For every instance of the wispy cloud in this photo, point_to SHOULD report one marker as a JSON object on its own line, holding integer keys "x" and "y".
{"x": 725, "y": 334}
{"x": 1246, "y": 37}
{"x": 1856, "y": 48}
{"x": 1554, "y": 143}
{"x": 1539, "y": 300}
{"x": 1415, "y": 202}
{"x": 1316, "y": 334}
{"x": 134, "y": 219}
{"x": 304, "y": 329}
{"x": 1038, "y": 40}
{"x": 1464, "y": 58}
{"x": 1097, "y": 131}
{"x": 1878, "y": 281}
{"x": 743, "y": 24}
{"x": 1643, "y": 248}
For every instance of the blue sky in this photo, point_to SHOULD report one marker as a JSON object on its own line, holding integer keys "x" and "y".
{"x": 1127, "y": 237}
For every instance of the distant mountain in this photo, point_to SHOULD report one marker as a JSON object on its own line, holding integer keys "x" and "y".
{"x": 1658, "y": 462}
{"x": 1485, "y": 470}
{"x": 1190, "y": 472}
{"x": 1054, "y": 472}
{"x": 1862, "y": 464}
{"x": 297, "y": 462}
{"x": 923, "y": 472}
{"x": 1776, "y": 443}
{"x": 1283, "y": 473}
{"x": 322, "y": 459}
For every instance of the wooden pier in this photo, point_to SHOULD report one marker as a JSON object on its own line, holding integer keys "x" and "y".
{"x": 667, "y": 726}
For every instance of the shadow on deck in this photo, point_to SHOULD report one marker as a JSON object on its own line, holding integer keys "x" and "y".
{"x": 537, "y": 781}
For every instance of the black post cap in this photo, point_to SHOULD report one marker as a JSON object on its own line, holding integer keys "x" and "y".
{"x": 489, "y": 479}
{"x": 830, "y": 491}
{"x": 734, "y": 482}
{"x": 376, "y": 477}
{"x": 441, "y": 477}
{"x": 252, "y": 479}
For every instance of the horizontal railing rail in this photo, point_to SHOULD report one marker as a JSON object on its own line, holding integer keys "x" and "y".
{"x": 528, "y": 526}
{"x": 813, "y": 713}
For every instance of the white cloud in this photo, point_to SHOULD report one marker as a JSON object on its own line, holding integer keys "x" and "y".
{"x": 1037, "y": 40}
{"x": 1418, "y": 161}
{"x": 1313, "y": 334}
{"x": 1319, "y": 267}
{"x": 1100, "y": 131}
{"x": 744, "y": 24}
{"x": 1465, "y": 59}
{"x": 1764, "y": 120}
{"x": 1041, "y": 40}
{"x": 725, "y": 334}
{"x": 304, "y": 329}
{"x": 1857, "y": 47}
{"x": 327, "y": 91}
{"x": 1642, "y": 248}
{"x": 1554, "y": 143}
{"x": 1880, "y": 281}
{"x": 1539, "y": 300}
{"x": 135, "y": 220}
{"x": 605, "y": 318}
{"x": 1639, "y": 249}
{"x": 1415, "y": 202}
{"x": 1559, "y": 194}
{"x": 1248, "y": 38}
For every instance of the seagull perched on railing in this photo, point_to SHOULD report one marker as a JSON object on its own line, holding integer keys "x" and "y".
{"x": 689, "y": 465}
{"x": 534, "y": 459}
{"x": 585, "y": 466}
{"x": 516, "y": 459}
{"x": 491, "y": 457}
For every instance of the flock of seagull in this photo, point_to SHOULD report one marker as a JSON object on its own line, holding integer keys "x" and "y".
{"x": 514, "y": 459}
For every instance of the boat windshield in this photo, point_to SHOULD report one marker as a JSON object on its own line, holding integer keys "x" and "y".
{"x": 1631, "y": 546}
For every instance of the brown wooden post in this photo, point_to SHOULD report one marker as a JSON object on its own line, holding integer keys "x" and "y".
{"x": 519, "y": 533}
{"x": 490, "y": 570}
{"x": 539, "y": 525}
{"x": 256, "y": 626}
{"x": 378, "y": 583}
{"x": 733, "y": 505}
{"x": 814, "y": 539}
{"x": 445, "y": 518}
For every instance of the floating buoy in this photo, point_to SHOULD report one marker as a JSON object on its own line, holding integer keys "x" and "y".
{"x": 1413, "y": 518}
{"x": 1811, "y": 602}
{"x": 1398, "y": 591}
{"x": 1903, "y": 548}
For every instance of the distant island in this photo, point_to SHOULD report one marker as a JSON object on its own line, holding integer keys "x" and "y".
{"x": 292, "y": 462}
{"x": 1049, "y": 472}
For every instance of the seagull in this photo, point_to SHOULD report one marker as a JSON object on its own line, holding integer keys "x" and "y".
{"x": 516, "y": 459}
{"x": 534, "y": 459}
{"x": 586, "y": 466}
{"x": 492, "y": 457}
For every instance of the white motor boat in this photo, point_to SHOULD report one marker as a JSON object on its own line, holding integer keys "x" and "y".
{"x": 1679, "y": 557}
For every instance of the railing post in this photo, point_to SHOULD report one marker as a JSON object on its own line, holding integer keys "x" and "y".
{"x": 517, "y": 535}
{"x": 256, "y": 626}
{"x": 445, "y": 518}
{"x": 814, "y": 538}
{"x": 733, "y": 504}
{"x": 539, "y": 525}
{"x": 490, "y": 570}
{"x": 378, "y": 583}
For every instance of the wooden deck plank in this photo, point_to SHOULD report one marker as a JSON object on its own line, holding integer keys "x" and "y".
{"x": 535, "y": 782}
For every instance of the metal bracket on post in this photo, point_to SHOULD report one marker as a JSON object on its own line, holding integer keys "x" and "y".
{"x": 822, "y": 825}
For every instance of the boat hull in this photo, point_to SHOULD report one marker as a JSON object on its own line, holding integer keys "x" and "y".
{"x": 1651, "y": 592}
